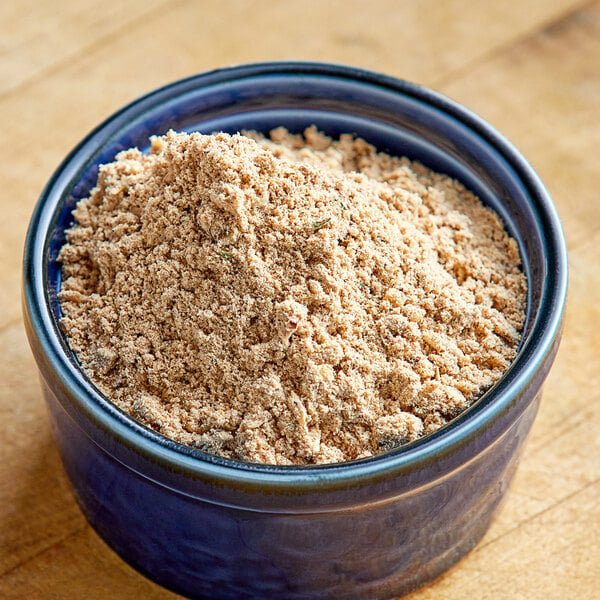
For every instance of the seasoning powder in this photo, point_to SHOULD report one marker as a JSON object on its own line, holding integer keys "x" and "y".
{"x": 295, "y": 300}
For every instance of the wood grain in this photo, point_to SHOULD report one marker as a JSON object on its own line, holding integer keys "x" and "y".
{"x": 39, "y": 36}
{"x": 543, "y": 93}
{"x": 530, "y": 67}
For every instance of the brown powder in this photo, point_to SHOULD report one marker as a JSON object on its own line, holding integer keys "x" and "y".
{"x": 292, "y": 301}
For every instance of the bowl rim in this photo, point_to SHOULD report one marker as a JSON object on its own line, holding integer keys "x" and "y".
{"x": 50, "y": 346}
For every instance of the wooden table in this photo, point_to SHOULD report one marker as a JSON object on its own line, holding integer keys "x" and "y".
{"x": 531, "y": 67}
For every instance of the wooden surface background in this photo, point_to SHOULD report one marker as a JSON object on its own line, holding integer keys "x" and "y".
{"x": 531, "y": 67}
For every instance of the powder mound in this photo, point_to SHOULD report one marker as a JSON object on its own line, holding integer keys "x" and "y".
{"x": 292, "y": 300}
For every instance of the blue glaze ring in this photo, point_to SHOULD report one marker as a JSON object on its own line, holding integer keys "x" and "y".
{"x": 209, "y": 527}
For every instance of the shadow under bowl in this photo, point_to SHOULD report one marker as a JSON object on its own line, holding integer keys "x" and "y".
{"x": 209, "y": 527}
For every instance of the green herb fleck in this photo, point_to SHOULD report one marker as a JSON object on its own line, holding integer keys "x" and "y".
{"x": 318, "y": 224}
{"x": 225, "y": 254}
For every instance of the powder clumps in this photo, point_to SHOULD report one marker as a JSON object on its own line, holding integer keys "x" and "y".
{"x": 292, "y": 300}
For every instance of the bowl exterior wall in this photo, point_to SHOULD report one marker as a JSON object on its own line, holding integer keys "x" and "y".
{"x": 206, "y": 550}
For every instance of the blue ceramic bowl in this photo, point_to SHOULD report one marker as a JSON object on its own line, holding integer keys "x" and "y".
{"x": 209, "y": 527}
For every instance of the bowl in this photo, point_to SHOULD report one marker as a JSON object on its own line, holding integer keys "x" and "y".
{"x": 209, "y": 527}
